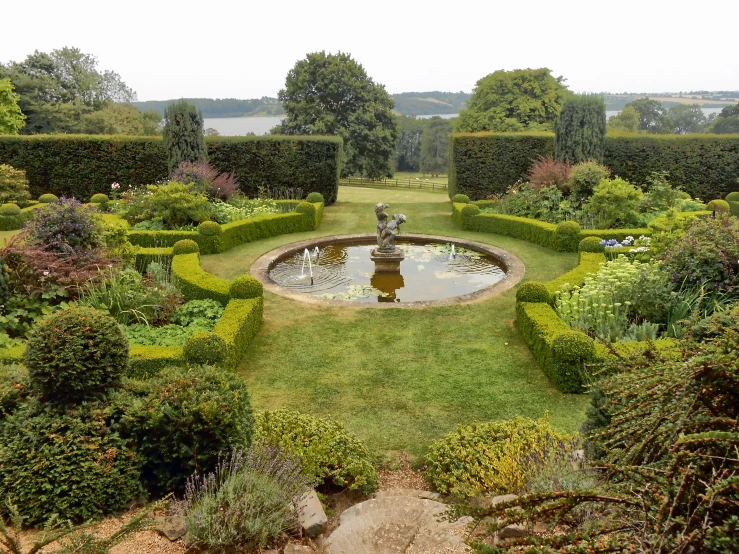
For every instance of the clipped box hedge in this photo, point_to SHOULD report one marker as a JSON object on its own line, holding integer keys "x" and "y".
{"x": 557, "y": 237}
{"x": 83, "y": 165}
{"x": 561, "y": 352}
{"x": 238, "y": 232}
{"x": 705, "y": 165}
{"x": 15, "y": 221}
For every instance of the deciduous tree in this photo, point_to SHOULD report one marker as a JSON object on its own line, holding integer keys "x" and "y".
{"x": 12, "y": 119}
{"x": 435, "y": 146}
{"x": 523, "y": 99}
{"x": 331, "y": 94}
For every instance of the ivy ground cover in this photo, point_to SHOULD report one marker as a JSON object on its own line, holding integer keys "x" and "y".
{"x": 445, "y": 366}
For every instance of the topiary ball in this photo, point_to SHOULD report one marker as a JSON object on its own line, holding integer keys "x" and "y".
{"x": 733, "y": 197}
{"x": 533, "y": 291}
{"x": 209, "y": 229}
{"x": 246, "y": 286}
{"x": 66, "y": 464}
{"x": 591, "y": 244}
{"x": 314, "y": 197}
{"x": 718, "y": 206}
{"x": 573, "y": 346}
{"x": 470, "y": 210}
{"x": 48, "y": 198}
{"x": 205, "y": 347}
{"x": 569, "y": 228}
{"x": 76, "y": 353}
{"x": 99, "y": 199}
{"x": 186, "y": 246}
{"x": 184, "y": 420}
{"x": 460, "y": 199}
{"x": 10, "y": 210}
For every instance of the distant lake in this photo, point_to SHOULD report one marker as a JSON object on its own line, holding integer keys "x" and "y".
{"x": 239, "y": 126}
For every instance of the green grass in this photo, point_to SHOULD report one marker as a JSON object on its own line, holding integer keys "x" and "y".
{"x": 400, "y": 378}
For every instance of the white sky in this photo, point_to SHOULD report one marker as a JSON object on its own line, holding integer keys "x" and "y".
{"x": 244, "y": 49}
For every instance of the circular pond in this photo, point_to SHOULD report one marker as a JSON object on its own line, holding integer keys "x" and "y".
{"x": 434, "y": 271}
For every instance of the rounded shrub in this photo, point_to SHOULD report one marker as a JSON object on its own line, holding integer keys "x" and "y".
{"x": 574, "y": 346}
{"x": 533, "y": 291}
{"x": 246, "y": 286}
{"x": 718, "y": 206}
{"x": 461, "y": 199}
{"x": 484, "y": 458}
{"x": 470, "y": 210}
{"x": 732, "y": 197}
{"x": 186, "y": 246}
{"x": 325, "y": 448}
{"x": 48, "y": 198}
{"x": 569, "y": 228}
{"x": 590, "y": 244}
{"x": 99, "y": 199}
{"x": 70, "y": 465}
{"x": 76, "y": 353}
{"x": 314, "y": 197}
{"x": 65, "y": 226}
{"x": 306, "y": 208}
{"x": 205, "y": 347}
{"x": 209, "y": 229}
{"x": 183, "y": 419}
{"x": 10, "y": 210}
{"x": 14, "y": 389}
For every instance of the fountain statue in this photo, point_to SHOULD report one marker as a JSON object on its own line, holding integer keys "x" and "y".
{"x": 387, "y": 256}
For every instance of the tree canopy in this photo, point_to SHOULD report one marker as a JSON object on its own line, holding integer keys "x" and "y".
{"x": 518, "y": 100}
{"x": 11, "y": 116}
{"x": 435, "y": 146}
{"x": 727, "y": 121}
{"x": 64, "y": 92}
{"x": 183, "y": 134}
{"x": 331, "y": 94}
{"x": 627, "y": 120}
{"x": 580, "y": 130}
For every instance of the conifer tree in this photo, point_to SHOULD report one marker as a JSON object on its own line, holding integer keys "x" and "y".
{"x": 580, "y": 130}
{"x": 183, "y": 134}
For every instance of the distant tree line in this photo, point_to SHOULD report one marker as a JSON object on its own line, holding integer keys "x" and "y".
{"x": 65, "y": 92}
{"x": 650, "y": 116}
{"x": 423, "y": 145}
{"x": 221, "y": 107}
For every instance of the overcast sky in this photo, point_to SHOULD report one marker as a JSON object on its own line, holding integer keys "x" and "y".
{"x": 244, "y": 49}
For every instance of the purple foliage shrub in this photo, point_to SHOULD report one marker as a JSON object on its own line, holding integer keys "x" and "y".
{"x": 207, "y": 179}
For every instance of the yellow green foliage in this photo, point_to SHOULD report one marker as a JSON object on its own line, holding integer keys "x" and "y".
{"x": 486, "y": 458}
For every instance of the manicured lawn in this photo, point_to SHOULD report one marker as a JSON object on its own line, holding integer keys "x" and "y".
{"x": 400, "y": 378}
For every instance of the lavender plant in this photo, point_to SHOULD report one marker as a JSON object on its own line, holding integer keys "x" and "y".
{"x": 248, "y": 501}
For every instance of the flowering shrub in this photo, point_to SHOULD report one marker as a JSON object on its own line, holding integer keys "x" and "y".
{"x": 65, "y": 226}
{"x": 207, "y": 179}
{"x": 174, "y": 204}
{"x": 707, "y": 254}
{"x": 227, "y": 212}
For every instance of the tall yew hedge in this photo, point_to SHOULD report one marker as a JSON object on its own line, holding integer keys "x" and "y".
{"x": 83, "y": 165}
{"x": 707, "y": 166}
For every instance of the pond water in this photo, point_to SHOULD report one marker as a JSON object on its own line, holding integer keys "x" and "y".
{"x": 428, "y": 272}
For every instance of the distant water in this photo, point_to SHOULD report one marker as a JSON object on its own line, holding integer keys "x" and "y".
{"x": 441, "y": 115}
{"x": 239, "y": 126}
{"x": 706, "y": 111}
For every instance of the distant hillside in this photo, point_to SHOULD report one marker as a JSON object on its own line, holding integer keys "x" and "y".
{"x": 706, "y": 99}
{"x": 406, "y": 103}
{"x": 222, "y": 107}
{"x": 429, "y": 103}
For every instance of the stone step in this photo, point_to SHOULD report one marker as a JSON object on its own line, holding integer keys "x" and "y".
{"x": 396, "y": 524}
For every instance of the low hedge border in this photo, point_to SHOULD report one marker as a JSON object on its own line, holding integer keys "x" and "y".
{"x": 146, "y": 361}
{"x": 238, "y": 232}
{"x": 196, "y": 284}
{"x": 562, "y": 351}
{"x": 540, "y": 232}
{"x": 238, "y": 325}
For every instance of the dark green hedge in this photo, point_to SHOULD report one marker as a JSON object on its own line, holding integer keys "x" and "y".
{"x": 706, "y": 166}
{"x": 481, "y": 164}
{"x": 83, "y": 165}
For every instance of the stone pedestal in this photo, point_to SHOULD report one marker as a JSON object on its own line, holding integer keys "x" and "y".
{"x": 387, "y": 261}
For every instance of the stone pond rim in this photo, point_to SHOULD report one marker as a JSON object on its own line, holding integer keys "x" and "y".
{"x": 513, "y": 266}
